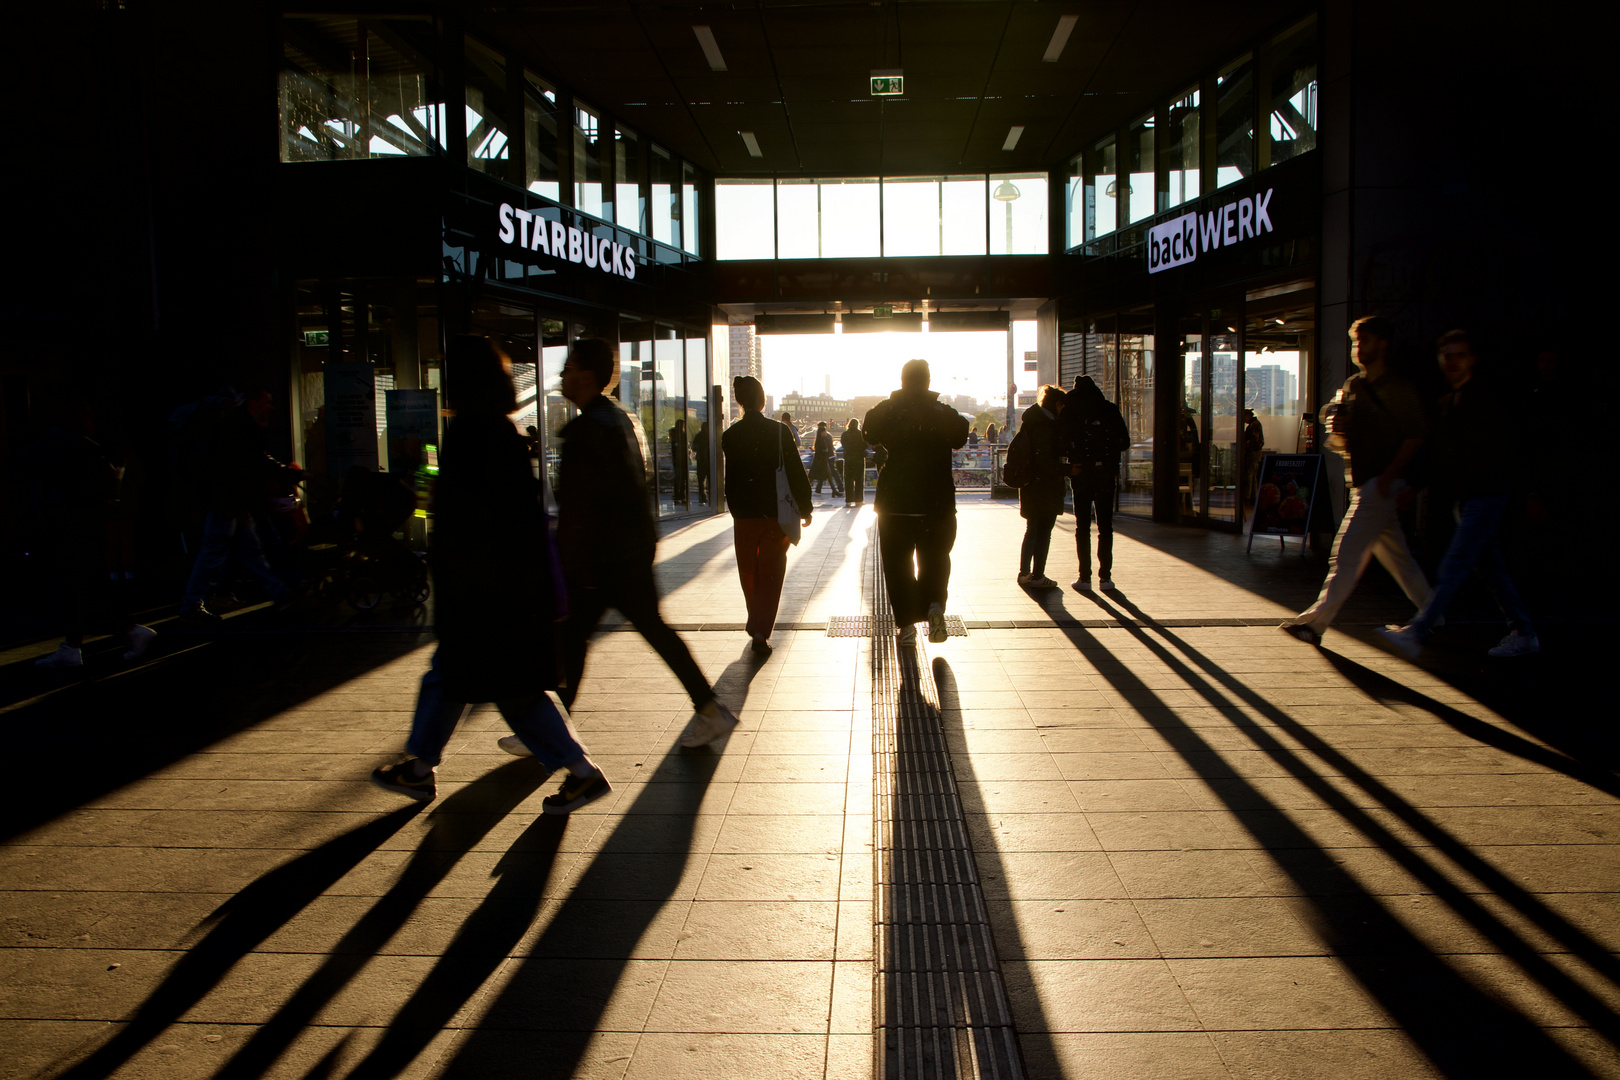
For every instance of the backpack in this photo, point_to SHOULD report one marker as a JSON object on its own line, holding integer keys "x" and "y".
{"x": 1019, "y": 467}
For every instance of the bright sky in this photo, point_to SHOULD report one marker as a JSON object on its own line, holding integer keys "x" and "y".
{"x": 860, "y": 364}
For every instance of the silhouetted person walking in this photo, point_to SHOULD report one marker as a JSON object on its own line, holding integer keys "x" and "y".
{"x": 916, "y": 499}
{"x": 606, "y": 534}
{"x": 754, "y": 447}
{"x": 700, "y": 455}
{"x": 1477, "y": 460}
{"x": 1380, "y": 422}
{"x": 679, "y": 461}
{"x": 1040, "y": 501}
{"x": 1094, "y": 434}
{"x": 854, "y": 443}
{"x": 823, "y": 466}
{"x": 233, "y": 471}
{"x": 498, "y": 592}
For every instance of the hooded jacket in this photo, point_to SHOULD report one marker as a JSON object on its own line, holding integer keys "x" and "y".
{"x": 1093, "y": 432}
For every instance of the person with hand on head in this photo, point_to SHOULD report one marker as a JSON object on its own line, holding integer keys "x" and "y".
{"x": 916, "y": 499}
{"x": 606, "y": 534}
{"x": 1381, "y": 424}
{"x": 497, "y": 589}
{"x": 754, "y": 447}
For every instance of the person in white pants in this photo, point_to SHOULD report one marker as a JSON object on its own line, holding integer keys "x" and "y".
{"x": 1380, "y": 422}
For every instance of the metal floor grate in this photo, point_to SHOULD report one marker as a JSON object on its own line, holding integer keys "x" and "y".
{"x": 868, "y": 625}
{"x": 941, "y": 1006}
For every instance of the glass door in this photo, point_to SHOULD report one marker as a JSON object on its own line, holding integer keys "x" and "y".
{"x": 1209, "y": 429}
{"x": 1190, "y": 423}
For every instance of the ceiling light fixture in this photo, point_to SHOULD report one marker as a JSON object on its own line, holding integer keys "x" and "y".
{"x": 711, "y": 48}
{"x": 1060, "y": 38}
{"x": 1014, "y": 133}
{"x": 752, "y": 144}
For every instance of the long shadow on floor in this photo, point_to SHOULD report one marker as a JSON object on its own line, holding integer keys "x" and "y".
{"x": 239, "y": 926}
{"x": 541, "y": 1023}
{"x": 1464, "y": 1030}
{"x": 1035, "y": 1042}
{"x": 94, "y": 736}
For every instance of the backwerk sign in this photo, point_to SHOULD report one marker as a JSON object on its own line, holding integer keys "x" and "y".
{"x": 1179, "y": 241}
{"x": 566, "y": 243}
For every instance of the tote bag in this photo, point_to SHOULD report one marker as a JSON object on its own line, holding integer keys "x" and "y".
{"x": 787, "y": 511}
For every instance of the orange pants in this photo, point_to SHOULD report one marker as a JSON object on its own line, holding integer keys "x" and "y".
{"x": 761, "y": 566}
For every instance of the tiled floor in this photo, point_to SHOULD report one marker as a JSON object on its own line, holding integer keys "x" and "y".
{"x": 1208, "y": 850}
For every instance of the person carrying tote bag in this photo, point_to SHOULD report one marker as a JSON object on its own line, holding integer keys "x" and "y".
{"x": 768, "y": 495}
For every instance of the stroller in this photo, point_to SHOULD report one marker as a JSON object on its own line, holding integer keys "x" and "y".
{"x": 371, "y": 562}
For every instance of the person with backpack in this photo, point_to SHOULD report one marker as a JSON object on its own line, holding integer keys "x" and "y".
{"x": 1380, "y": 422}
{"x": 1035, "y": 459}
{"x": 1093, "y": 434}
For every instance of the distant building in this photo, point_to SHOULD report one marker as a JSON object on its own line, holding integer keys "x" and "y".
{"x": 808, "y": 411}
{"x": 1271, "y": 388}
{"x": 745, "y": 360}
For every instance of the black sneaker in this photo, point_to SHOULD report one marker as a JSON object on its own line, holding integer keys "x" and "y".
{"x": 402, "y": 778}
{"x": 575, "y": 792}
{"x": 199, "y": 615}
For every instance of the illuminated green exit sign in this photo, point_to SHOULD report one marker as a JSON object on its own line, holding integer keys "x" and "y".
{"x": 888, "y": 85}
{"x": 883, "y": 311}
{"x": 317, "y": 339}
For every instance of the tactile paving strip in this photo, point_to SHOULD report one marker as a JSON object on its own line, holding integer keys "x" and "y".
{"x": 941, "y": 1005}
{"x": 867, "y": 625}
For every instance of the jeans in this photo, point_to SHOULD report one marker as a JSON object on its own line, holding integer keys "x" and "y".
{"x": 1099, "y": 494}
{"x": 855, "y": 480}
{"x": 633, "y": 591}
{"x": 225, "y": 535}
{"x": 1473, "y": 546}
{"x": 927, "y": 537}
{"x": 1037, "y": 543}
{"x": 536, "y": 721}
{"x": 1370, "y": 529}
{"x": 761, "y": 567}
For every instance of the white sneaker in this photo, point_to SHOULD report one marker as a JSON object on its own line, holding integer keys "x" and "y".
{"x": 709, "y": 723}
{"x": 140, "y": 639}
{"x": 908, "y": 635}
{"x": 1105, "y": 585}
{"x": 1516, "y": 644}
{"x": 514, "y": 746}
{"x": 65, "y": 656}
{"x": 1081, "y": 584}
{"x": 936, "y": 624}
{"x": 1402, "y": 640}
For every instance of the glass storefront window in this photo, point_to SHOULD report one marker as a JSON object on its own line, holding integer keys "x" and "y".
{"x": 689, "y": 208}
{"x": 1182, "y": 150}
{"x": 1190, "y": 419}
{"x": 1293, "y": 93}
{"x": 669, "y": 420}
{"x": 697, "y": 414}
{"x": 962, "y": 211}
{"x": 1234, "y": 123}
{"x": 558, "y": 409}
{"x": 348, "y": 93}
{"x": 1101, "y": 213}
{"x": 850, "y": 218}
{"x": 488, "y": 144}
{"x": 1222, "y": 416}
{"x": 588, "y": 195}
{"x": 1142, "y": 202}
{"x": 628, "y": 204}
{"x": 744, "y": 219}
{"x": 1017, "y": 211}
{"x": 1136, "y": 379}
{"x": 798, "y": 219}
{"x": 663, "y": 196}
{"x": 1074, "y": 210}
{"x": 635, "y": 391}
{"x": 541, "y": 116}
{"x": 912, "y": 219}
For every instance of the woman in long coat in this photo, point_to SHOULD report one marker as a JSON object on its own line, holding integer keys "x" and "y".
{"x": 822, "y": 466}
{"x": 854, "y": 443}
{"x": 498, "y": 590}
{"x": 1041, "y": 500}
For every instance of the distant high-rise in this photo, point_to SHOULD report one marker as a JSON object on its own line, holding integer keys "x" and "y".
{"x": 745, "y": 360}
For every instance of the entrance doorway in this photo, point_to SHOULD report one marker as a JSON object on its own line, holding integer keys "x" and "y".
{"x": 1208, "y": 447}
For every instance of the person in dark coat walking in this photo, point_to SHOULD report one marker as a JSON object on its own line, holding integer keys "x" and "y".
{"x": 607, "y": 538}
{"x": 1093, "y": 435}
{"x": 823, "y": 466}
{"x": 854, "y": 443}
{"x": 700, "y": 455}
{"x": 754, "y": 447}
{"x": 498, "y": 591}
{"x": 680, "y": 460}
{"x": 916, "y": 499}
{"x": 1040, "y": 502}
